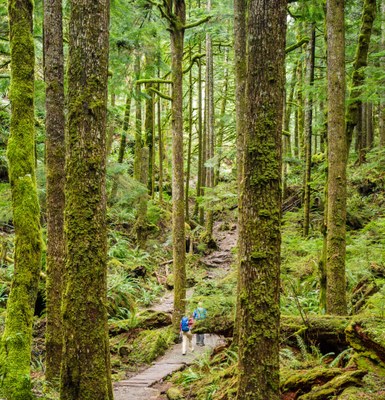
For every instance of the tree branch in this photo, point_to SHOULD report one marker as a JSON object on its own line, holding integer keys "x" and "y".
{"x": 193, "y": 61}
{"x": 197, "y": 23}
{"x": 160, "y": 94}
{"x": 153, "y": 80}
{"x": 296, "y": 45}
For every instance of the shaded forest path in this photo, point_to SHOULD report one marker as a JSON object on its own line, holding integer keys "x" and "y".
{"x": 140, "y": 386}
{"x": 219, "y": 261}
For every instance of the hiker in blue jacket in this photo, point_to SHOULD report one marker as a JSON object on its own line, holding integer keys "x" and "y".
{"x": 186, "y": 325}
{"x": 200, "y": 314}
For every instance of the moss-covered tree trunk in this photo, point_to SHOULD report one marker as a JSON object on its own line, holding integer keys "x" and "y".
{"x": 381, "y": 117}
{"x": 189, "y": 145}
{"x": 179, "y": 248}
{"x": 199, "y": 210}
{"x": 55, "y": 157}
{"x": 126, "y": 125}
{"x": 149, "y": 129}
{"x": 138, "y": 120}
{"x": 337, "y": 160}
{"x": 286, "y": 138}
{"x": 210, "y": 139}
{"x": 308, "y": 131}
{"x": 85, "y": 372}
{"x": 15, "y": 356}
{"x": 299, "y": 114}
{"x": 240, "y": 76}
{"x": 260, "y": 202}
{"x": 369, "y": 126}
{"x": 360, "y": 62}
{"x": 160, "y": 146}
{"x": 141, "y": 220}
{"x": 222, "y": 125}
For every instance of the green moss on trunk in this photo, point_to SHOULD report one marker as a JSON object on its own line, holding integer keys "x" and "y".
{"x": 16, "y": 341}
{"x": 260, "y": 202}
{"x": 85, "y": 372}
{"x": 337, "y": 160}
{"x": 55, "y": 157}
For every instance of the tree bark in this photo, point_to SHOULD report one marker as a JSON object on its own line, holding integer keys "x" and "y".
{"x": 126, "y": 125}
{"x": 240, "y": 105}
{"x": 55, "y": 158}
{"x": 141, "y": 220}
{"x": 138, "y": 121}
{"x": 176, "y": 15}
{"x": 210, "y": 139}
{"x": 221, "y": 129}
{"x": 189, "y": 146}
{"x": 149, "y": 129}
{"x": 85, "y": 372}
{"x": 260, "y": 202}
{"x": 369, "y": 127}
{"x": 308, "y": 131}
{"x": 360, "y": 62}
{"x": 15, "y": 356}
{"x": 337, "y": 161}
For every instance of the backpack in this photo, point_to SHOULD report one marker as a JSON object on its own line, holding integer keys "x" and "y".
{"x": 184, "y": 324}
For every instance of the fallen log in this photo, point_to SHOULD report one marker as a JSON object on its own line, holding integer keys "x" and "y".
{"x": 367, "y": 335}
{"x": 326, "y": 331}
{"x": 145, "y": 320}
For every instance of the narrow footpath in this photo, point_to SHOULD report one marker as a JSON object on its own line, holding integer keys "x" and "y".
{"x": 141, "y": 386}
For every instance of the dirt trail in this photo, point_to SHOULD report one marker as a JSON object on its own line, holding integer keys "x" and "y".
{"x": 140, "y": 386}
{"x": 220, "y": 260}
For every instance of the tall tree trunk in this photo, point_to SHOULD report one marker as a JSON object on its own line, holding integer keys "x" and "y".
{"x": 141, "y": 220}
{"x": 199, "y": 210}
{"x": 178, "y": 221}
{"x": 138, "y": 121}
{"x": 189, "y": 147}
{"x": 15, "y": 356}
{"x": 149, "y": 129}
{"x": 240, "y": 105}
{"x": 221, "y": 129}
{"x": 286, "y": 137}
{"x": 55, "y": 158}
{"x": 210, "y": 141}
{"x": 300, "y": 113}
{"x": 126, "y": 125}
{"x": 308, "y": 131}
{"x": 260, "y": 202}
{"x": 360, "y": 62}
{"x": 161, "y": 148}
{"x": 369, "y": 126}
{"x": 85, "y": 372}
{"x": 382, "y": 61}
{"x": 337, "y": 159}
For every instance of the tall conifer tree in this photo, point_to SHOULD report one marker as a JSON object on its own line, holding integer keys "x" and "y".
{"x": 260, "y": 200}
{"x": 16, "y": 341}
{"x": 85, "y": 372}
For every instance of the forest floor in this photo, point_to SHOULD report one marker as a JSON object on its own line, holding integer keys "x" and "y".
{"x": 148, "y": 384}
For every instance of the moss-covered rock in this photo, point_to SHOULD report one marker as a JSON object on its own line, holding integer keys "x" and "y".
{"x": 174, "y": 394}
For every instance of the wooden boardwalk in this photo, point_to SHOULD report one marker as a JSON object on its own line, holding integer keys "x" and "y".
{"x": 139, "y": 387}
